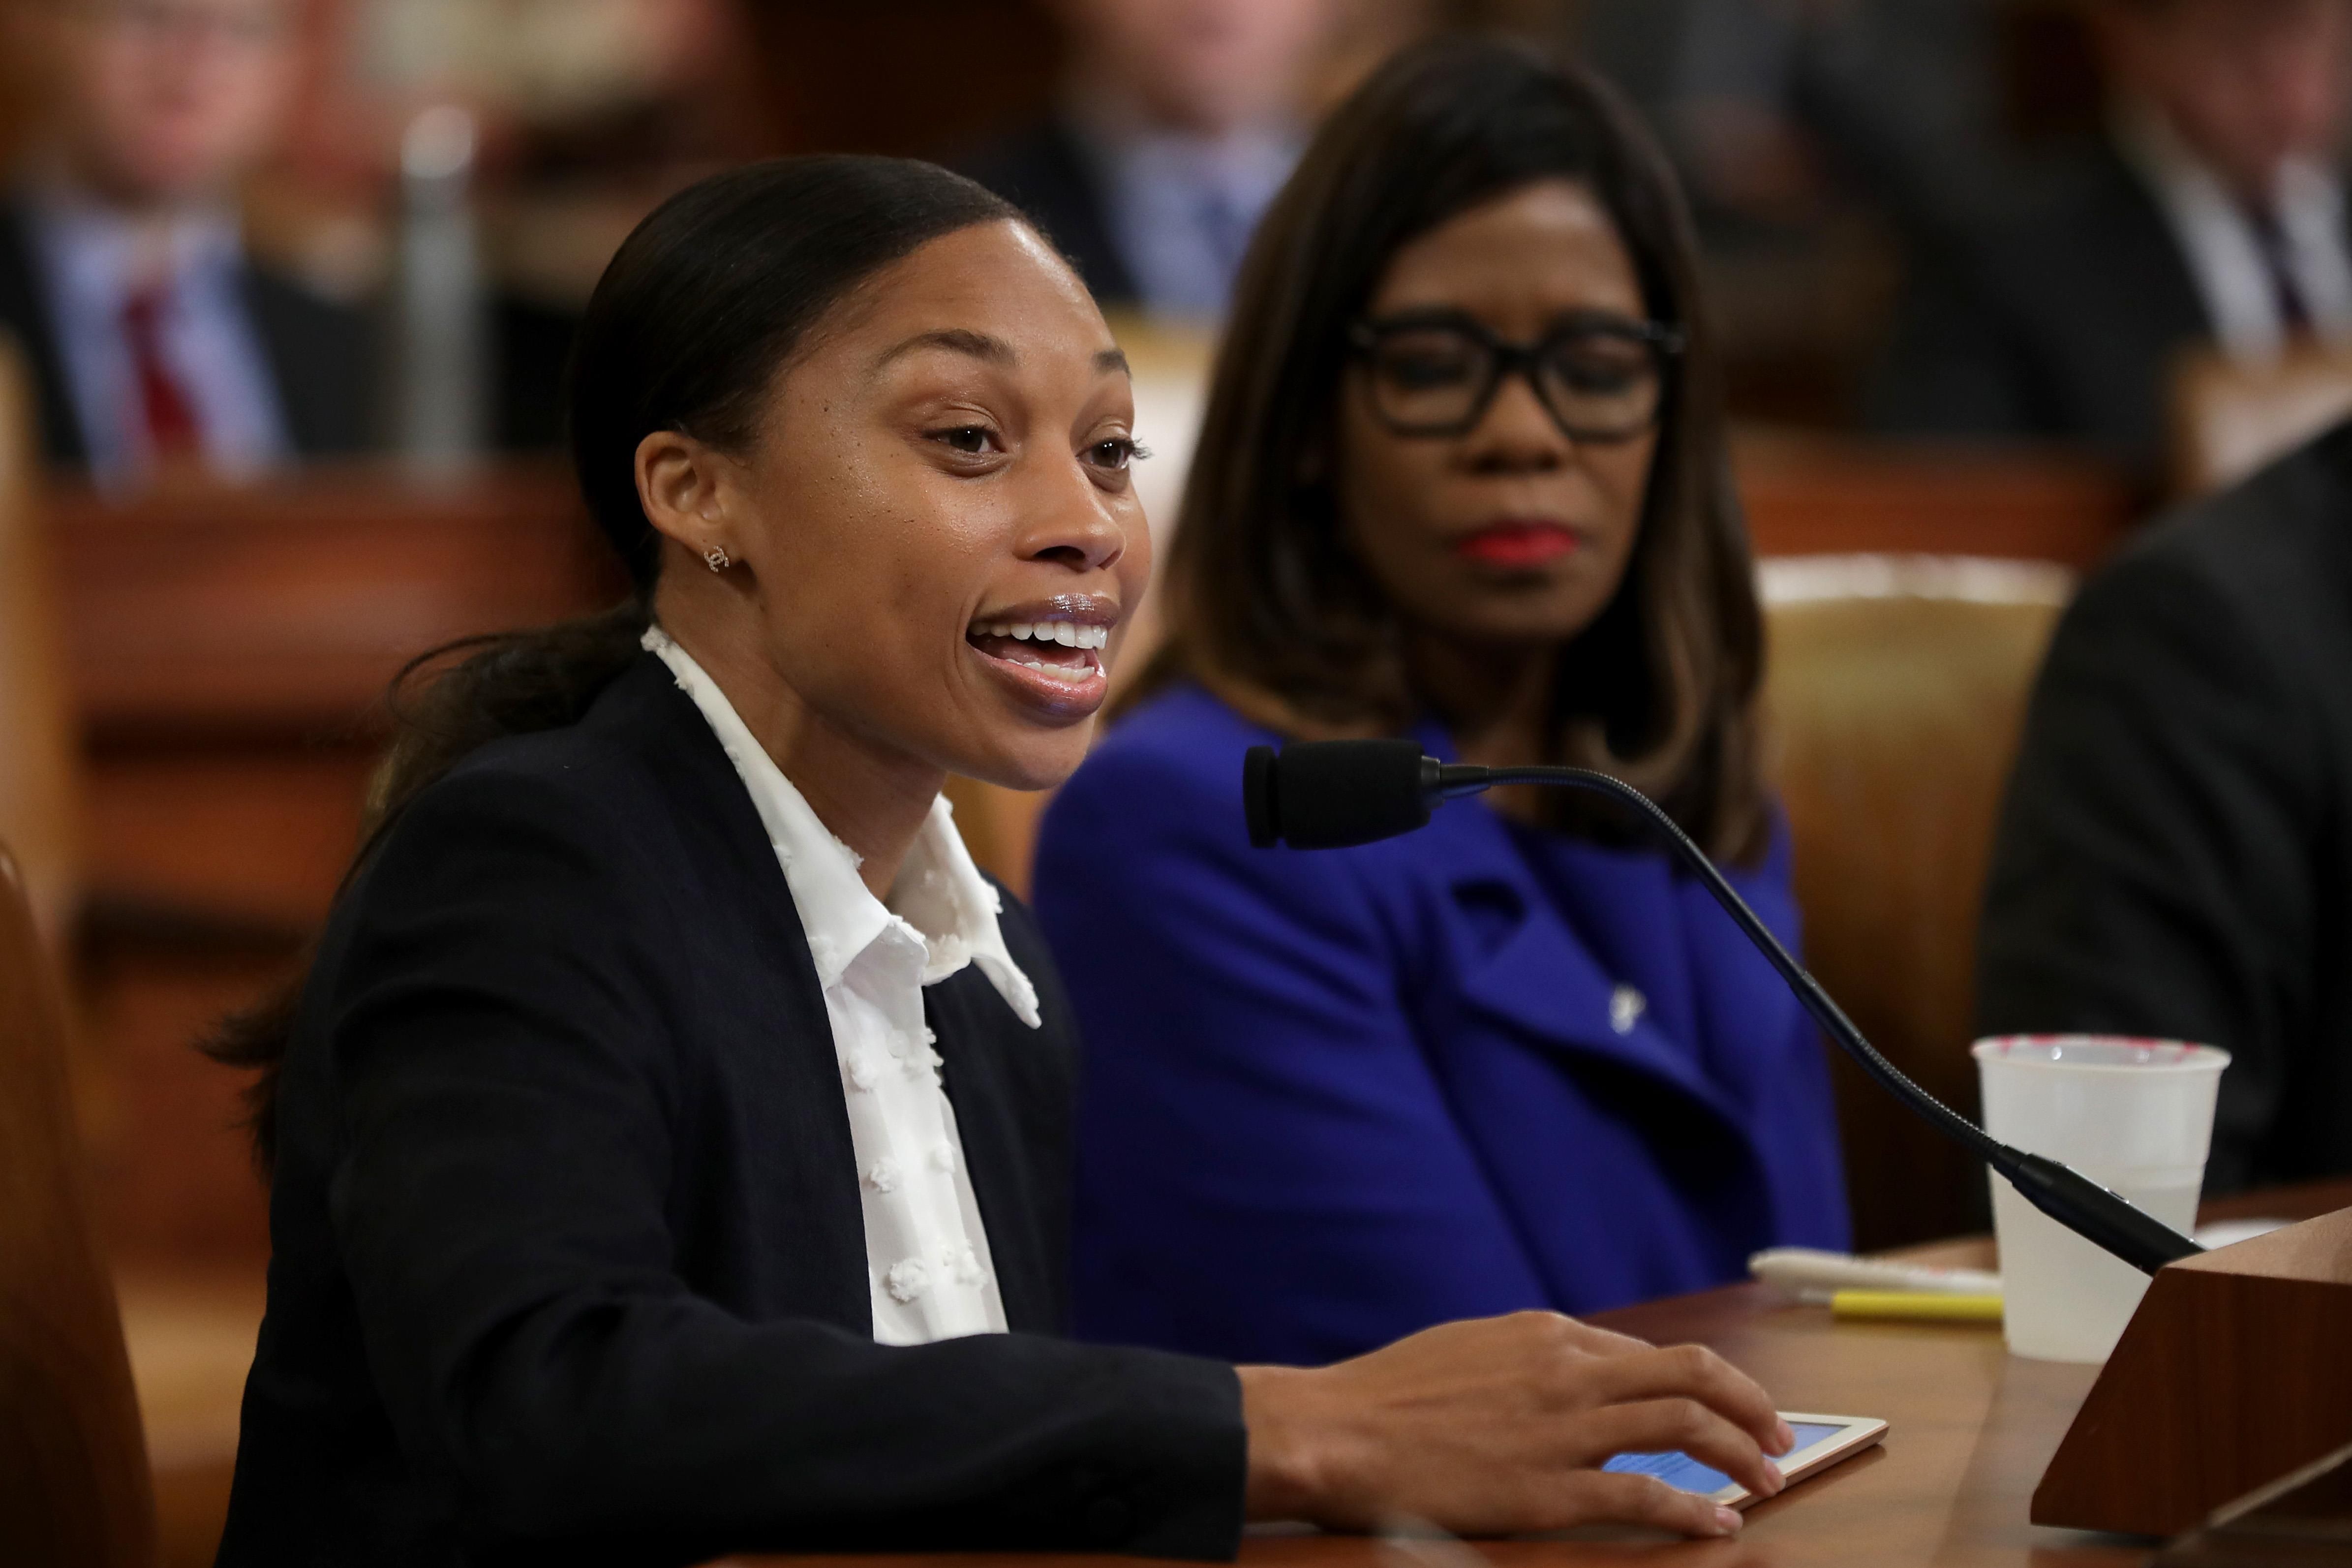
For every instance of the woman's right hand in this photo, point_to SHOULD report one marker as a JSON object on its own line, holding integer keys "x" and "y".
{"x": 1500, "y": 1426}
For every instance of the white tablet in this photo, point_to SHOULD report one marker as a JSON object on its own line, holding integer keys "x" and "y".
{"x": 1821, "y": 1441}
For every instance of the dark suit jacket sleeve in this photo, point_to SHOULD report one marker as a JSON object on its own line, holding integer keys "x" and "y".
{"x": 1044, "y": 172}
{"x": 505, "y": 1077}
{"x": 323, "y": 358}
{"x": 25, "y": 316}
{"x": 2152, "y": 873}
{"x": 1954, "y": 365}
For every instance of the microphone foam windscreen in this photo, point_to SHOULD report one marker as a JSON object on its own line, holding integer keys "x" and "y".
{"x": 1329, "y": 794}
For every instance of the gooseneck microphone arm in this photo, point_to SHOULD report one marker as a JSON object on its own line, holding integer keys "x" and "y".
{"x": 1455, "y": 781}
{"x": 1328, "y": 795}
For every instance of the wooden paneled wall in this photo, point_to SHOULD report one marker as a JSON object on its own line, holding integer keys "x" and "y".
{"x": 230, "y": 652}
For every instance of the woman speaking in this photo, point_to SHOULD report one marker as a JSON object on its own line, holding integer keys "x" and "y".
{"x": 1462, "y": 477}
{"x": 670, "y": 1137}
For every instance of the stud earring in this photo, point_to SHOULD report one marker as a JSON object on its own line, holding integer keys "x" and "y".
{"x": 717, "y": 559}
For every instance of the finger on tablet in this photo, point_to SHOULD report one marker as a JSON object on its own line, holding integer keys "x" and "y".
{"x": 1685, "y": 1427}
{"x": 1693, "y": 1372}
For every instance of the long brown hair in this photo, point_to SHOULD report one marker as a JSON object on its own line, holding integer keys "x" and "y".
{"x": 1266, "y": 603}
{"x": 699, "y": 310}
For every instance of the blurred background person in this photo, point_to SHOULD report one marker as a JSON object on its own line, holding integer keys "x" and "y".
{"x": 1824, "y": 142}
{"x": 1177, "y": 121}
{"x": 1773, "y": 105}
{"x": 588, "y": 113}
{"x": 2172, "y": 859}
{"x": 1463, "y": 477}
{"x": 2211, "y": 211}
{"x": 156, "y": 342}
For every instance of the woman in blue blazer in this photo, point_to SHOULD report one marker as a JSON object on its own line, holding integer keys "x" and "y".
{"x": 1462, "y": 476}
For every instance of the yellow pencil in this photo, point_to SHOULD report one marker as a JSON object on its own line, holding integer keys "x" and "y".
{"x": 1916, "y": 1304}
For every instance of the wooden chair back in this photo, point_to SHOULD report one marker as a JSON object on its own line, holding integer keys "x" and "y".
{"x": 75, "y": 1491}
{"x": 1896, "y": 691}
{"x": 2229, "y": 419}
{"x": 38, "y": 754}
{"x": 1810, "y": 492}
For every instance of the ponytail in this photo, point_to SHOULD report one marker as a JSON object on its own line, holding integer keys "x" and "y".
{"x": 699, "y": 309}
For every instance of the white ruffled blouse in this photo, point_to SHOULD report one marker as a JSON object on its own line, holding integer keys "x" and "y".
{"x": 926, "y": 1250}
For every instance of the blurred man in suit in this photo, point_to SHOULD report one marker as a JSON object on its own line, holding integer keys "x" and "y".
{"x": 2212, "y": 212}
{"x": 1770, "y": 106}
{"x": 1178, "y": 122}
{"x": 2175, "y": 859}
{"x": 155, "y": 343}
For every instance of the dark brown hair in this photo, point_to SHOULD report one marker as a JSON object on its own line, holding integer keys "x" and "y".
{"x": 704, "y": 303}
{"x": 1267, "y": 603}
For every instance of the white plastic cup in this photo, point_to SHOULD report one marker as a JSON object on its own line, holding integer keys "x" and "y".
{"x": 2135, "y": 1116}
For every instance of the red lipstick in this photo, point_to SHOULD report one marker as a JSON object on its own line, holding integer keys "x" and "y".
{"x": 1519, "y": 543}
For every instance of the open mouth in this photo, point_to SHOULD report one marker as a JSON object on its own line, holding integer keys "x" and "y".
{"x": 1061, "y": 650}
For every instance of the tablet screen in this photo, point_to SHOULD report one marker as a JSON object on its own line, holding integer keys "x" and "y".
{"x": 1686, "y": 1474}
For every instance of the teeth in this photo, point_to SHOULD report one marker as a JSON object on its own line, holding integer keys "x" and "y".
{"x": 1066, "y": 633}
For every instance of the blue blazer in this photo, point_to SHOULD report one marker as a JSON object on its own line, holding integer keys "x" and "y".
{"x": 1334, "y": 1097}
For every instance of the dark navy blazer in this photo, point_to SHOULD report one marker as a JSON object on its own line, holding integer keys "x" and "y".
{"x": 1336, "y": 1096}
{"x": 568, "y": 1259}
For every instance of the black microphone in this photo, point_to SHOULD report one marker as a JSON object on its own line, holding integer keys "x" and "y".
{"x": 1329, "y": 794}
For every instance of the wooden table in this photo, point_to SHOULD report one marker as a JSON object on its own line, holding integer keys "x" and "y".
{"x": 1970, "y": 1429}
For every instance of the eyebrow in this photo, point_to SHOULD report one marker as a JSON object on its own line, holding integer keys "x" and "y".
{"x": 955, "y": 339}
{"x": 982, "y": 346}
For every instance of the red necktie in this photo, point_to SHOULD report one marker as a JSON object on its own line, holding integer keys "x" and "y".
{"x": 170, "y": 420}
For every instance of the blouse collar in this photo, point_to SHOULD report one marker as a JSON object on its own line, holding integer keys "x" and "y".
{"x": 940, "y": 905}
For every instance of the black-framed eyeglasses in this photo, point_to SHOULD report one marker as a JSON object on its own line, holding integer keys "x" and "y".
{"x": 1602, "y": 377}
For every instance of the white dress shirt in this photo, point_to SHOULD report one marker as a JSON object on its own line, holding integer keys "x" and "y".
{"x": 90, "y": 255}
{"x": 2224, "y": 253}
{"x": 928, "y": 1265}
